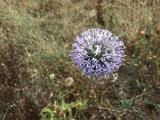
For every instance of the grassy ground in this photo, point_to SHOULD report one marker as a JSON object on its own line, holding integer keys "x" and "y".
{"x": 38, "y": 78}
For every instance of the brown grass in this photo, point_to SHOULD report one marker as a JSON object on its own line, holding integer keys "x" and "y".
{"x": 35, "y": 41}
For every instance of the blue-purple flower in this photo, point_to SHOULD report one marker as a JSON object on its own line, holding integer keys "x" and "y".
{"x": 98, "y": 52}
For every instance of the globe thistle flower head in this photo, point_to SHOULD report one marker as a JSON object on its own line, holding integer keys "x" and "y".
{"x": 98, "y": 52}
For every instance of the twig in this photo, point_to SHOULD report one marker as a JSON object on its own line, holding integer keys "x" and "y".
{"x": 4, "y": 116}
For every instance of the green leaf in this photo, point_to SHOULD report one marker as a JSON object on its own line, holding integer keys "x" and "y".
{"x": 126, "y": 103}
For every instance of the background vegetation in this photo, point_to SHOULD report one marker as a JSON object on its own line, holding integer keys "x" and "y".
{"x": 38, "y": 79}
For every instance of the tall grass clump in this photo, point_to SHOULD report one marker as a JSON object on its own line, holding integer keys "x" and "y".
{"x": 38, "y": 77}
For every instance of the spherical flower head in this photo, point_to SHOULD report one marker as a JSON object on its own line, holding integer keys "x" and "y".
{"x": 98, "y": 52}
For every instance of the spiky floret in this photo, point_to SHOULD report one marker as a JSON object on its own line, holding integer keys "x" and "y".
{"x": 98, "y": 52}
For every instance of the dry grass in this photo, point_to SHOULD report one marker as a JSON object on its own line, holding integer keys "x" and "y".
{"x": 35, "y": 41}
